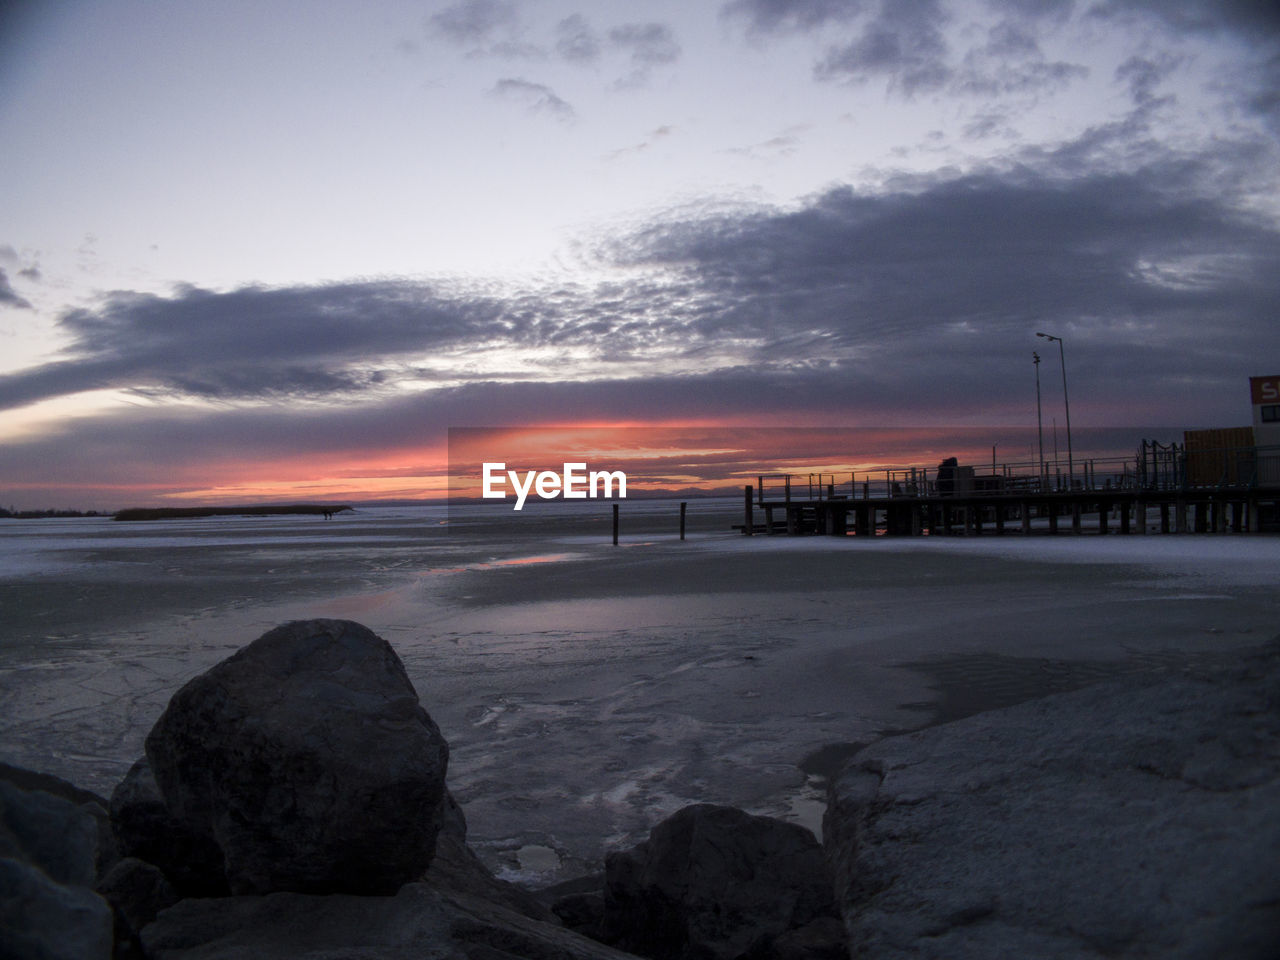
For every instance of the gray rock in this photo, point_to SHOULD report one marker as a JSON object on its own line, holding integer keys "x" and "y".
{"x": 307, "y": 758}
{"x": 53, "y": 834}
{"x": 146, "y": 830}
{"x": 824, "y": 939}
{"x": 91, "y": 802}
{"x": 418, "y": 923}
{"x": 41, "y": 919}
{"x": 456, "y": 869}
{"x": 137, "y": 891}
{"x": 48, "y": 860}
{"x": 715, "y": 882}
{"x": 578, "y": 902}
{"x": 1136, "y": 818}
{"x": 35, "y": 780}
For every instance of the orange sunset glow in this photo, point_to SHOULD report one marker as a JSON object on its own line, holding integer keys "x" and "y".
{"x": 661, "y": 457}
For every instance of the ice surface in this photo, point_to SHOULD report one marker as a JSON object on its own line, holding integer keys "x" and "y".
{"x": 588, "y": 691}
{"x": 1222, "y": 558}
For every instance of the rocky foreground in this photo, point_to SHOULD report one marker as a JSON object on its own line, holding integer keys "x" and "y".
{"x": 293, "y": 803}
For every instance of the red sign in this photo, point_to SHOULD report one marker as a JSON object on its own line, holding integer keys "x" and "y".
{"x": 1265, "y": 389}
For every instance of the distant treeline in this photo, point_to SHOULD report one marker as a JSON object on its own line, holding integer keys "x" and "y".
{"x": 42, "y": 514}
{"x": 171, "y": 513}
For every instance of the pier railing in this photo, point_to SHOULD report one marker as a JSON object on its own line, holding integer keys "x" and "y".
{"x": 1156, "y": 467}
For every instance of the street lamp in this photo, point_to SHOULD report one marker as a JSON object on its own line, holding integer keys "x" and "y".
{"x": 1035, "y": 358}
{"x": 1066, "y": 403}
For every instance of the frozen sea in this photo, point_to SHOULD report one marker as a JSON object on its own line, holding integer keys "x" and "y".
{"x": 589, "y": 690}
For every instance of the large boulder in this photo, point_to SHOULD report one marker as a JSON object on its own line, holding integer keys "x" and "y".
{"x": 308, "y": 760}
{"x": 715, "y": 883}
{"x": 49, "y": 850}
{"x": 1135, "y": 818}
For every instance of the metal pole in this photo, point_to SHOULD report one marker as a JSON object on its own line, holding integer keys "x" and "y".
{"x": 1057, "y": 469}
{"x": 1039, "y": 422}
{"x": 1062, "y": 358}
{"x": 1066, "y": 403}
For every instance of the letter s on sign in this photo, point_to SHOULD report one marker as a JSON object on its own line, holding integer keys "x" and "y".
{"x": 1271, "y": 390}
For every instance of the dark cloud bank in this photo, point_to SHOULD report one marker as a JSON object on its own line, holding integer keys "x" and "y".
{"x": 905, "y": 307}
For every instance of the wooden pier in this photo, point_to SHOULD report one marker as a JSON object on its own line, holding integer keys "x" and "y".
{"x": 1124, "y": 497}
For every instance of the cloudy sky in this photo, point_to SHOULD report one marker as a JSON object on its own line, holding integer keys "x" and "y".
{"x": 251, "y": 249}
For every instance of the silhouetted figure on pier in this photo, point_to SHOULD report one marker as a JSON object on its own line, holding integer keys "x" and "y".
{"x": 947, "y": 476}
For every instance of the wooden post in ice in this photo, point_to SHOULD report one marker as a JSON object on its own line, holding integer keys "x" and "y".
{"x": 684, "y": 505}
{"x": 748, "y": 523}
{"x": 615, "y": 524}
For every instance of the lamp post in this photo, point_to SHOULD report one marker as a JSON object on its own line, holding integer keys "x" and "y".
{"x": 1066, "y": 403}
{"x": 1057, "y": 463}
{"x": 1035, "y": 358}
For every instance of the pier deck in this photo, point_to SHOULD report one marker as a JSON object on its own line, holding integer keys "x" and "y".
{"x": 1127, "y": 496}
{"x": 1120, "y": 511}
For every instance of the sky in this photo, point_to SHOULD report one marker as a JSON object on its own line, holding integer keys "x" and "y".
{"x": 257, "y": 251}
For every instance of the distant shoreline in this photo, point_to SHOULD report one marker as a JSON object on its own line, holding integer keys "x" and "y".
{"x": 171, "y": 513}
{"x": 50, "y": 514}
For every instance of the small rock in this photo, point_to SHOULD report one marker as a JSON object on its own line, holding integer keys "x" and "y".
{"x": 715, "y": 882}
{"x": 145, "y": 830}
{"x": 583, "y": 912}
{"x": 137, "y": 891}
{"x": 579, "y": 903}
{"x": 456, "y": 868}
